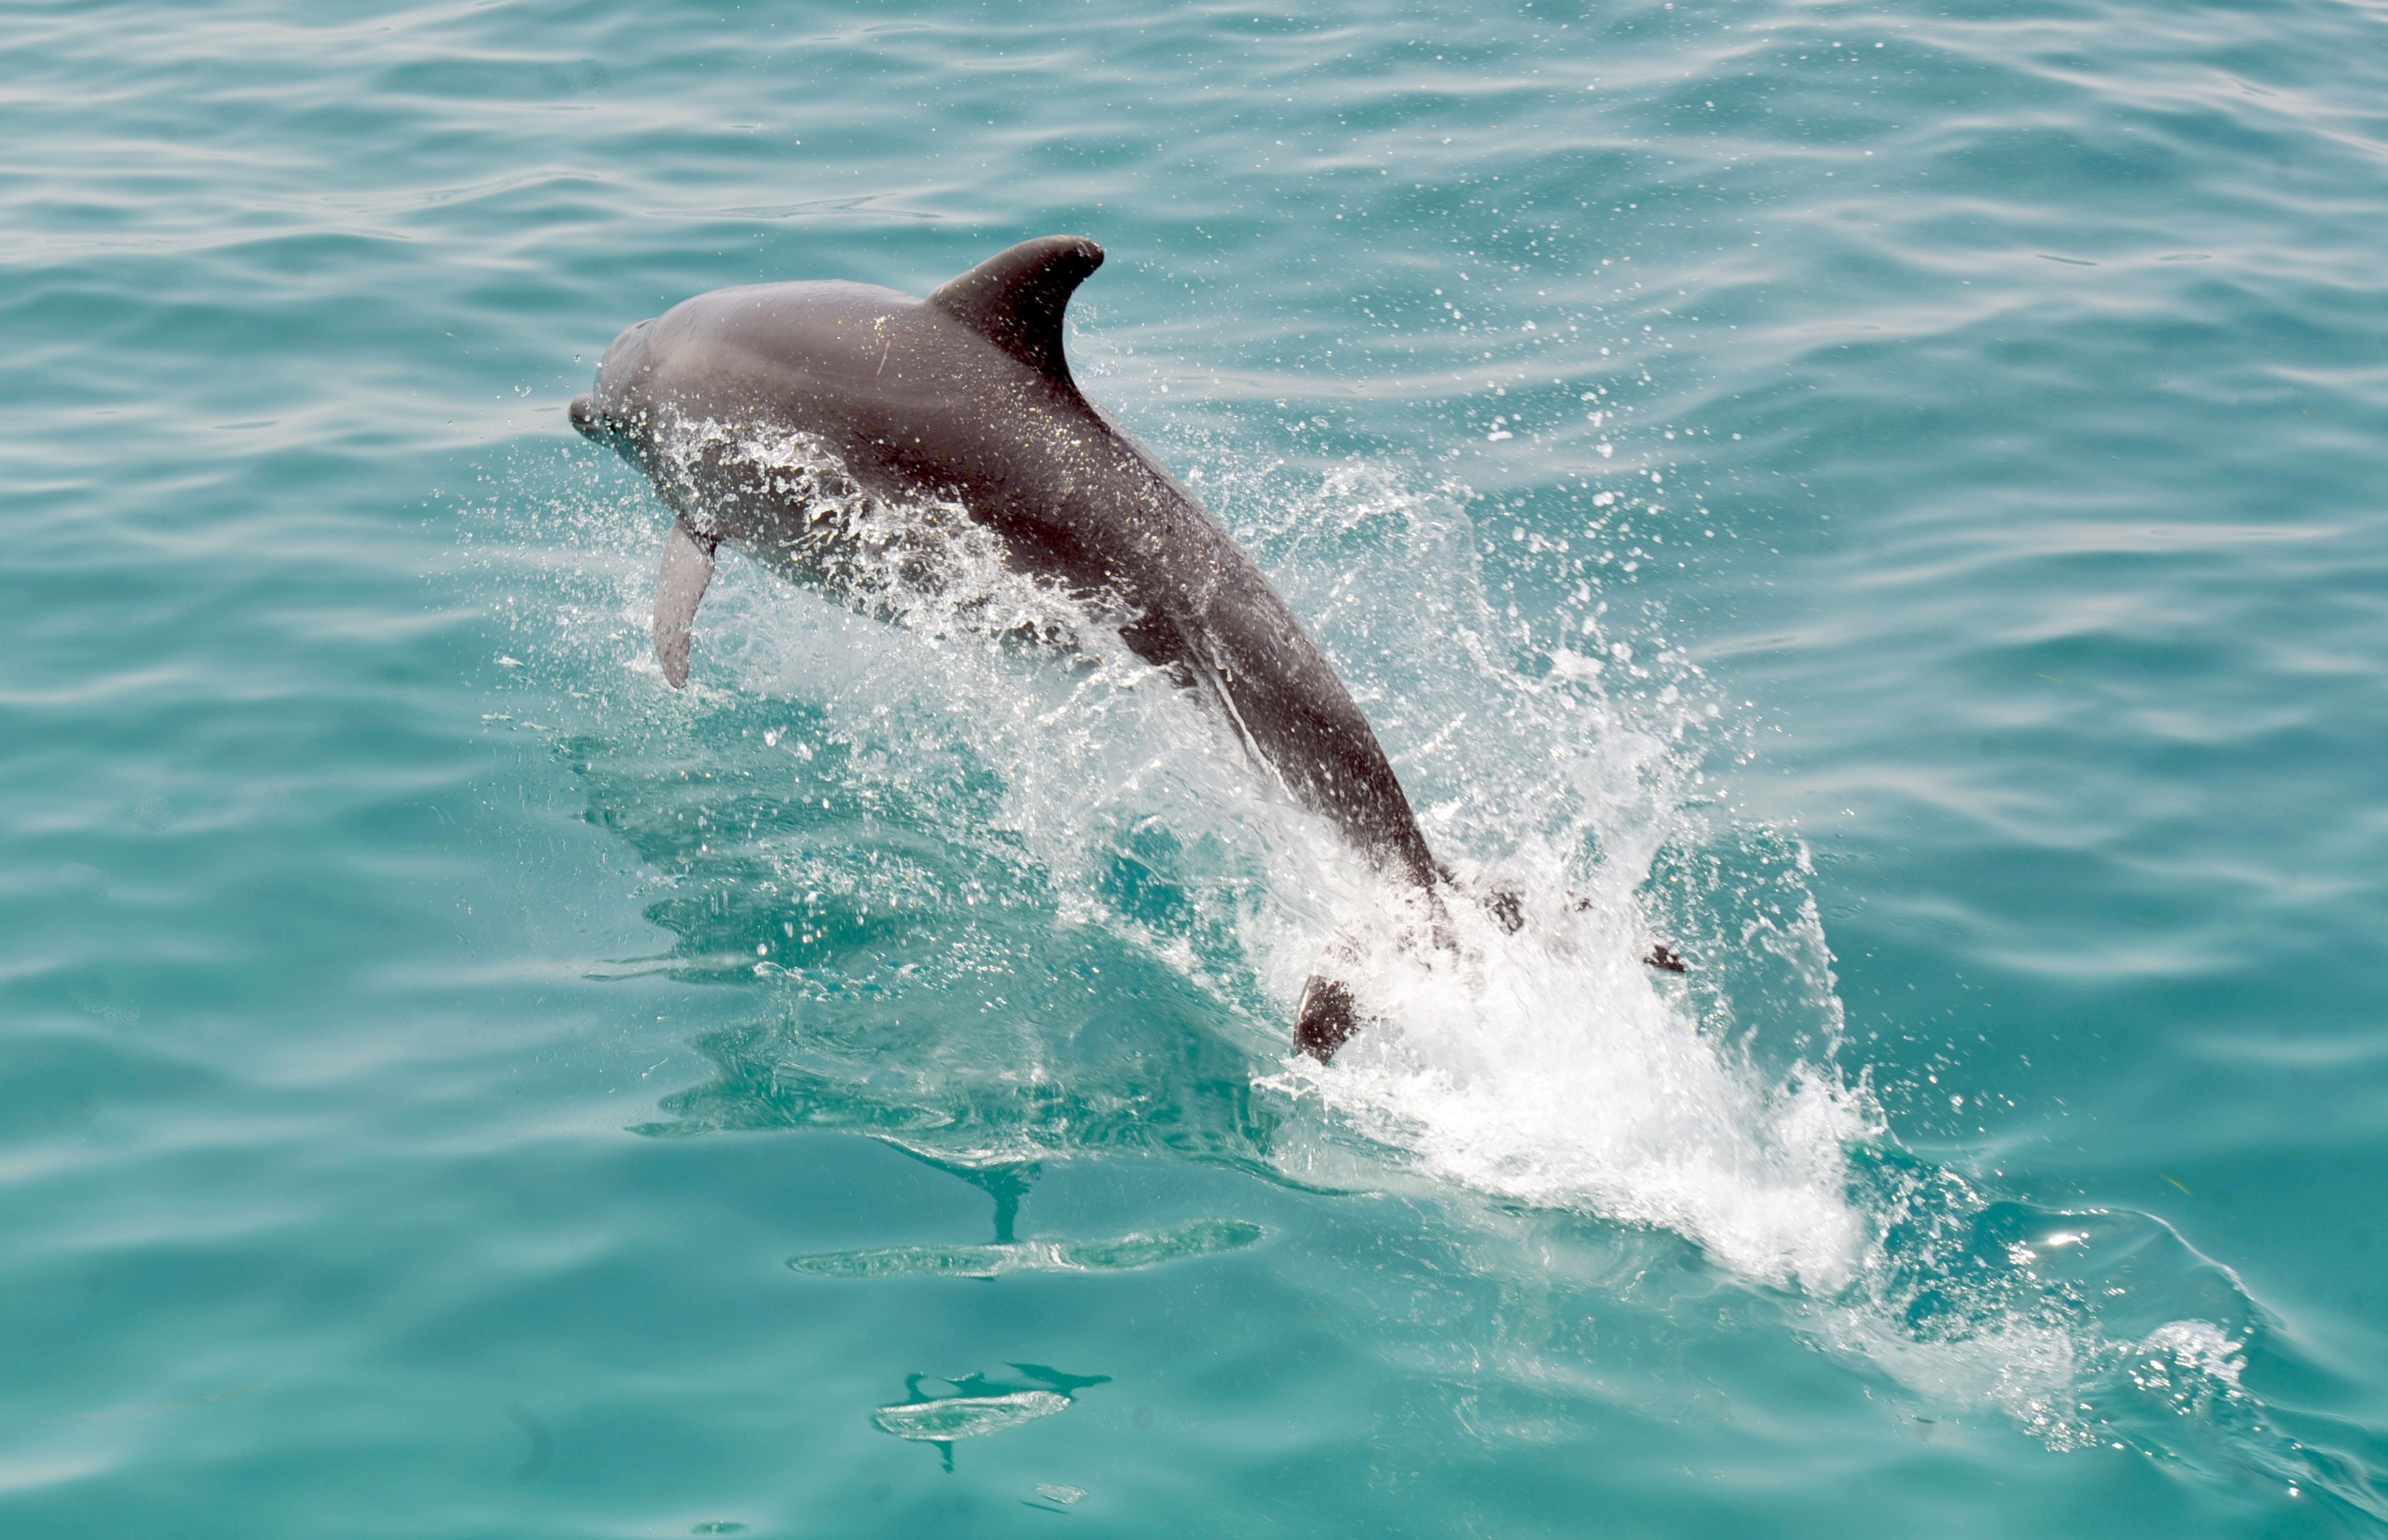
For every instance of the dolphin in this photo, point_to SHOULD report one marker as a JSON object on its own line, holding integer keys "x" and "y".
{"x": 966, "y": 397}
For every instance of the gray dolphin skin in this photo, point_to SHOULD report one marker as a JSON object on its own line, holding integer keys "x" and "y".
{"x": 965, "y": 397}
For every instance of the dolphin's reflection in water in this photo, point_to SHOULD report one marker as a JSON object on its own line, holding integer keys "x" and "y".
{"x": 1007, "y": 1183}
{"x": 979, "y": 1405}
{"x": 1122, "y": 1254}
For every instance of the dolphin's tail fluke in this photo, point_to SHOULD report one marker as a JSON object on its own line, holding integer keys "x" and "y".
{"x": 1328, "y": 1018}
{"x": 1330, "y": 1014}
{"x": 688, "y": 568}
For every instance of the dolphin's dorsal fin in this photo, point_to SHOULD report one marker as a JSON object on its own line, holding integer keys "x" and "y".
{"x": 1015, "y": 298}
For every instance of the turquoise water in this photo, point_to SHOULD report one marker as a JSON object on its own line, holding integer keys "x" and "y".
{"x": 1887, "y": 499}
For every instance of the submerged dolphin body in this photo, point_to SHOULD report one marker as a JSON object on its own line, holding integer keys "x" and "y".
{"x": 965, "y": 398}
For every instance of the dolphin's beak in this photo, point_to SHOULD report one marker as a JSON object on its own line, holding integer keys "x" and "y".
{"x": 584, "y": 417}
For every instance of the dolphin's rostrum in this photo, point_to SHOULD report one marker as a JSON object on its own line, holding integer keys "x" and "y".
{"x": 966, "y": 397}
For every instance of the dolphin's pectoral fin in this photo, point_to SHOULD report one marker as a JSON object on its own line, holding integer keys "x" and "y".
{"x": 1015, "y": 298}
{"x": 1328, "y": 1018}
{"x": 688, "y": 568}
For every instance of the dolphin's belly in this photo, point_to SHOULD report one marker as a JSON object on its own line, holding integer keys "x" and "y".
{"x": 876, "y": 530}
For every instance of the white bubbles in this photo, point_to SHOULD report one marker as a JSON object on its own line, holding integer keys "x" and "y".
{"x": 2012, "y": 1364}
{"x": 2197, "y": 1346}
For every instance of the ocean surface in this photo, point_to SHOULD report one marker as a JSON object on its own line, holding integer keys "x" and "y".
{"x": 1888, "y": 499}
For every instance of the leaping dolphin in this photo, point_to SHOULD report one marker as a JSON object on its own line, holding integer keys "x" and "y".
{"x": 966, "y": 397}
